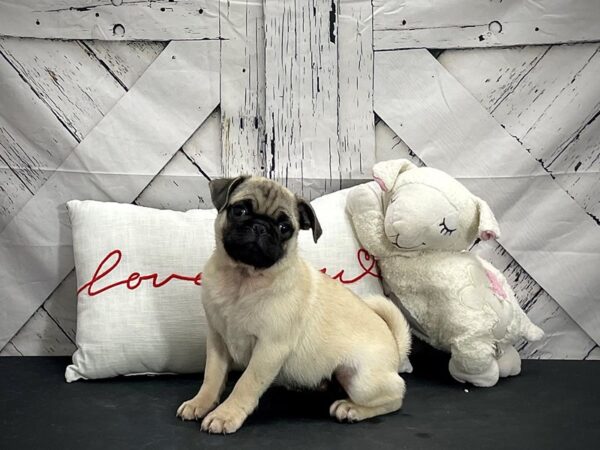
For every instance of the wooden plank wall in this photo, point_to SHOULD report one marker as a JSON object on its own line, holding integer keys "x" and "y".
{"x": 401, "y": 24}
{"x": 543, "y": 228}
{"x": 296, "y": 103}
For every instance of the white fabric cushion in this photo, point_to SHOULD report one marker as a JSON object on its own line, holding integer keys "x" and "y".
{"x": 139, "y": 308}
{"x": 338, "y": 250}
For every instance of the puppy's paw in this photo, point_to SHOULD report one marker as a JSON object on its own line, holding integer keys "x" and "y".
{"x": 225, "y": 419}
{"x": 345, "y": 411}
{"x": 194, "y": 409}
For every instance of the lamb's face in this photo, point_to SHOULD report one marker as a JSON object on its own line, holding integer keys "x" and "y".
{"x": 421, "y": 217}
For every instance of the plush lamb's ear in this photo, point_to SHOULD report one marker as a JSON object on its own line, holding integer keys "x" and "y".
{"x": 221, "y": 189}
{"x": 386, "y": 172}
{"x": 488, "y": 226}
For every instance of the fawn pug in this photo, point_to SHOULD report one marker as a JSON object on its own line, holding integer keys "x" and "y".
{"x": 279, "y": 319}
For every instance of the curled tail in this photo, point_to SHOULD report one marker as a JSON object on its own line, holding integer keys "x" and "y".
{"x": 397, "y": 324}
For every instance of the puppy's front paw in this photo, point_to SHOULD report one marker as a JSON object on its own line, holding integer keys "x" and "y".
{"x": 225, "y": 419}
{"x": 195, "y": 408}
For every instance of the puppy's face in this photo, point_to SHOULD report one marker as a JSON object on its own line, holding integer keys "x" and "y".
{"x": 259, "y": 220}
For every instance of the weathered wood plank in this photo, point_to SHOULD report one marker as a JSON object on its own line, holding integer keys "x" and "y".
{"x": 10, "y": 350}
{"x": 552, "y": 108}
{"x": 51, "y": 104}
{"x": 356, "y": 124}
{"x": 491, "y": 74}
{"x": 47, "y": 105}
{"x": 204, "y": 146}
{"x": 36, "y": 243}
{"x": 301, "y": 91}
{"x": 61, "y": 306}
{"x": 564, "y": 338}
{"x": 389, "y": 146}
{"x": 116, "y": 20}
{"x": 126, "y": 61}
{"x": 179, "y": 186}
{"x": 67, "y": 77}
{"x": 13, "y": 191}
{"x": 41, "y": 336}
{"x": 38, "y": 127}
{"x": 243, "y": 88}
{"x": 54, "y": 324}
{"x": 594, "y": 353}
{"x": 402, "y": 24}
{"x": 544, "y": 229}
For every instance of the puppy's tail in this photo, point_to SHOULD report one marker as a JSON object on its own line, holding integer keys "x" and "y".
{"x": 397, "y": 324}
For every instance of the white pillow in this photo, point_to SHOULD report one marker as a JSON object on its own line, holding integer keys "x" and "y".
{"x": 137, "y": 327}
{"x": 139, "y": 308}
{"x": 338, "y": 251}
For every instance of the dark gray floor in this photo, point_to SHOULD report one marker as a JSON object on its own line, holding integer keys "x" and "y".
{"x": 551, "y": 405}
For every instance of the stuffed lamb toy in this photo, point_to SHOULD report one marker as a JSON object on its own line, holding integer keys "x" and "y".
{"x": 419, "y": 223}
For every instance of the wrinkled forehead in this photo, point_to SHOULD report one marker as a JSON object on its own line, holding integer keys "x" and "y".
{"x": 267, "y": 198}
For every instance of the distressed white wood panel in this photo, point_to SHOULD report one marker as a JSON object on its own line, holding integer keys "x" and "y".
{"x": 42, "y": 336}
{"x": 12, "y": 190}
{"x": 61, "y": 306}
{"x": 54, "y": 93}
{"x": 243, "y": 87}
{"x": 153, "y": 119}
{"x": 594, "y": 353}
{"x": 57, "y": 320}
{"x": 10, "y": 350}
{"x": 355, "y": 89}
{"x": 126, "y": 61}
{"x": 32, "y": 142}
{"x": 110, "y": 19}
{"x": 67, "y": 77}
{"x": 492, "y": 74}
{"x": 449, "y": 129}
{"x": 564, "y": 338}
{"x": 301, "y": 91}
{"x": 552, "y": 110}
{"x": 389, "y": 146}
{"x": 179, "y": 186}
{"x": 204, "y": 146}
{"x": 401, "y": 24}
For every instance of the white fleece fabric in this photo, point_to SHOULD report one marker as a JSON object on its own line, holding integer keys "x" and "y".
{"x": 419, "y": 223}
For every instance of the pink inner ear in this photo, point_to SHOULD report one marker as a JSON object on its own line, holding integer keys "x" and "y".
{"x": 486, "y": 235}
{"x": 381, "y": 184}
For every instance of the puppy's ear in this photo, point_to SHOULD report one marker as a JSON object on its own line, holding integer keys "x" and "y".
{"x": 221, "y": 189}
{"x": 308, "y": 218}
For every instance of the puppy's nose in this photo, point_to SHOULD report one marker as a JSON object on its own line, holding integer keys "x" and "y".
{"x": 259, "y": 229}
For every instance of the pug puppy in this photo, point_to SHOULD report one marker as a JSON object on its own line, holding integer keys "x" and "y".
{"x": 279, "y": 319}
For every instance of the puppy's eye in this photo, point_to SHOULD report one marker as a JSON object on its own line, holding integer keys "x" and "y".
{"x": 285, "y": 227}
{"x": 444, "y": 229}
{"x": 239, "y": 210}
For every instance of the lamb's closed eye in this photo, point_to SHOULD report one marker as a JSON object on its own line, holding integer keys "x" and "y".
{"x": 444, "y": 229}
